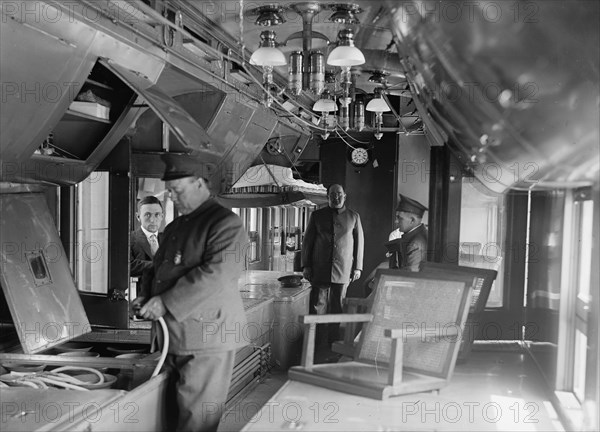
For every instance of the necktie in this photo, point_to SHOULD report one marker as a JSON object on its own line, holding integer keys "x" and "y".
{"x": 153, "y": 244}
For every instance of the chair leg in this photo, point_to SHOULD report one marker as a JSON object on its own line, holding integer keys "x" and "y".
{"x": 308, "y": 348}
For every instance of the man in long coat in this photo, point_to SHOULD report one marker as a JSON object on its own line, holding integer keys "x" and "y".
{"x": 332, "y": 255}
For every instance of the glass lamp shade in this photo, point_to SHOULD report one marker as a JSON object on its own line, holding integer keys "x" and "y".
{"x": 345, "y": 55}
{"x": 377, "y": 105}
{"x": 325, "y": 105}
{"x": 268, "y": 56}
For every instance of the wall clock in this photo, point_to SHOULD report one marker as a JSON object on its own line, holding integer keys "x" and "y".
{"x": 359, "y": 156}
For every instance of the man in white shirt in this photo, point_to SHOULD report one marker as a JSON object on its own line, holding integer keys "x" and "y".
{"x": 144, "y": 240}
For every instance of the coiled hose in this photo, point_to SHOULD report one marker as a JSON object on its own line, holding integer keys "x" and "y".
{"x": 57, "y": 379}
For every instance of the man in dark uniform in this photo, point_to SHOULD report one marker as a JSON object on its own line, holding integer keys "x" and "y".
{"x": 410, "y": 250}
{"x": 144, "y": 241}
{"x": 332, "y": 255}
{"x": 193, "y": 285}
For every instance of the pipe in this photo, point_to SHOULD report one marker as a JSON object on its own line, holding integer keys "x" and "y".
{"x": 165, "y": 348}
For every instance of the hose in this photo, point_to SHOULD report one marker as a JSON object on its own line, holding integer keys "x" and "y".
{"x": 42, "y": 380}
{"x": 165, "y": 348}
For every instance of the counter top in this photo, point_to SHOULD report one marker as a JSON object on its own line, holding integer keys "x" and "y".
{"x": 257, "y": 284}
{"x": 24, "y": 409}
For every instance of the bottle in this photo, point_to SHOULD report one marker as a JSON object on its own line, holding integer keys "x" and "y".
{"x": 344, "y": 116}
{"x": 359, "y": 115}
{"x": 316, "y": 78}
{"x": 295, "y": 73}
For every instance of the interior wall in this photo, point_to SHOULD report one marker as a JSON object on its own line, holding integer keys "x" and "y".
{"x": 370, "y": 191}
{"x": 414, "y": 167}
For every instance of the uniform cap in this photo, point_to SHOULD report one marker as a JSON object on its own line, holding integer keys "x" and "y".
{"x": 183, "y": 165}
{"x": 410, "y": 205}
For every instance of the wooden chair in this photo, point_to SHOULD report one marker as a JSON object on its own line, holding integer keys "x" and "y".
{"x": 481, "y": 291}
{"x": 409, "y": 343}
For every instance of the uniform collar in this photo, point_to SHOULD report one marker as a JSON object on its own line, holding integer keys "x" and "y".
{"x": 413, "y": 231}
{"x": 338, "y": 211}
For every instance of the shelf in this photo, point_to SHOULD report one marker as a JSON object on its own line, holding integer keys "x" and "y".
{"x": 87, "y": 116}
{"x": 57, "y": 159}
{"x": 98, "y": 84}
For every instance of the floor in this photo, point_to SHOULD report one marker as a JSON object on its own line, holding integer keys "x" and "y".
{"x": 494, "y": 390}
{"x": 238, "y": 415}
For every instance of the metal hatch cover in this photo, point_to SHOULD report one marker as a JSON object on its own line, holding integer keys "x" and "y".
{"x": 34, "y": 273}
{"x": 180, "y": 122}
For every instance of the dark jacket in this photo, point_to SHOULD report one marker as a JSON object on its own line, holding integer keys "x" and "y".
{"x": 409, "y": 251}
{"x": 196, "y": 271}
{"x": 333, "y": 245}
{"x": 140, "y": 254}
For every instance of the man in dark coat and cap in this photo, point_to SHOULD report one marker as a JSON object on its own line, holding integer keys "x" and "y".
{"x": 410, "y": 250}
{"x": 193, "y": 285}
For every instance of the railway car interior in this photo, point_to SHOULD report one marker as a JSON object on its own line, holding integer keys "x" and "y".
{"x": 487, "y": 112}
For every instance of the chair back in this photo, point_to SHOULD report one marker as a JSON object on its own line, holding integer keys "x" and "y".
{"x": 419, "y": 303}
{"x": 483, "y": 284}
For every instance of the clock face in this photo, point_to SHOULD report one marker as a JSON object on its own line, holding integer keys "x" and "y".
{"x": 359, "y": 156}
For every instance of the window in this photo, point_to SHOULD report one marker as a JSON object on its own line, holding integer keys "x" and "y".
{"x": 583, "y": 218}
{"x": 252, "y": 222}
{"x": 576, "y": 271}
{"x": 482, "y": 232}
{"x": 92, "y": 248}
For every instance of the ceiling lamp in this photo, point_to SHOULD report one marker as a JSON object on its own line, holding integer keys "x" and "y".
{"x": 325, "y": 105}
{"x": 345, "y": 13}
{"x": 268, "y": 15}
{"x": 378, "y": 105}
{"x": 306, "y": 70}
{"x": 268, "y": 56}
{"x": 345, "y": 54}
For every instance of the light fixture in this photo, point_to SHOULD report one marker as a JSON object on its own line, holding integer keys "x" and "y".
{"x": 378, "y": 105}
{"x": 325, "y": 105}
{"x": 268, "y": 15}
{"x": 345, "y": 54}
{"x": 345, "y": 13}
{"x": 306, "y": 69}
{"x": 268, "y": 56}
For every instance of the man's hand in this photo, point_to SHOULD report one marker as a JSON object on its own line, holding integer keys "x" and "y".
{"x": 356, "y": 275}
{"x": 135, "y": 306}
{"x": 307, "y": 273}
{"x": 154, "y": 309}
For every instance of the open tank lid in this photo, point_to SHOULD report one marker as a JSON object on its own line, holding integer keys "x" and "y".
{"x": 34, "y": 273}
